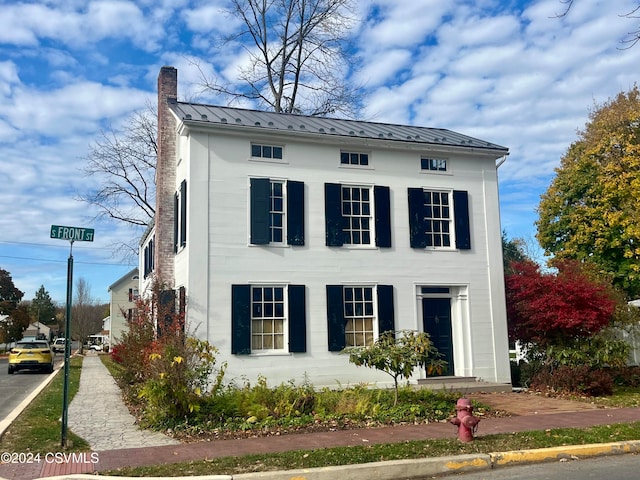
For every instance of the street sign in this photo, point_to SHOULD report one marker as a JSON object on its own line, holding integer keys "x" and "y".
{"x": 75, "y": 234}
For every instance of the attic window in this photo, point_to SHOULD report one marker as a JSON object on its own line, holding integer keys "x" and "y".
{"x": 433, "y": 164}
{"x": 266, "y": 151}
{"x": 354, "y": 158}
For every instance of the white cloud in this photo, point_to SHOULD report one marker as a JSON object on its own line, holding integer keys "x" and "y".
{"x": 507, "y": 72}
{"x": 27, "y": 24}
{"x": 403, "y": 23}
{"x": 74, "y": 108}
{"x": 8, "y": 77}
{"x": 393, "y": 61}
{"x": 211, "y": 17}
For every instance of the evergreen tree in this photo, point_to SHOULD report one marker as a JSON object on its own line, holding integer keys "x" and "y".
{"x": 16, "y": 318}
{"x": 42, "y": 308}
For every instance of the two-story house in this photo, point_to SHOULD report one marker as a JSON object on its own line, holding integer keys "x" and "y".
{"x": 287, "y": 238}
{"x": 123, "y": 297}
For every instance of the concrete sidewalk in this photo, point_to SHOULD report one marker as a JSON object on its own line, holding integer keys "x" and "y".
{"x": 116, "y": 442}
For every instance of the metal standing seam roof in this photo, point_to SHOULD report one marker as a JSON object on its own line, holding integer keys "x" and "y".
{"x": 285, "y": 122}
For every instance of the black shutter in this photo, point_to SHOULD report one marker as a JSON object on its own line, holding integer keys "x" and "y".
{"x": 382, "y": 200}
{"x": 335, "y": 318}
{"x": 295, "y": 213}
{"x": 333, "y": 214}
{"x": 297, "y": 319}
{"x": 183, "y": 213}
{"x": 417, "y": 229}
{"x": 241, "y": 319}
{"x": 182, "y": 298}
{"x": 260, "y": 203}
{"x": 166, "y": 310}
{"x": 386, "y": 314}
{"x": 461, "y": 219}
{"x": 176, "y": 240}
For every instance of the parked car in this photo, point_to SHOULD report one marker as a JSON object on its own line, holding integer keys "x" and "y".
{"x": 32, "y": 354}
{"x": 96, "y": 346}
{"x": 58, "y": 345}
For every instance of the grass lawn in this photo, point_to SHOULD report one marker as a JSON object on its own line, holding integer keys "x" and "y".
{"x": 38, "y": 429}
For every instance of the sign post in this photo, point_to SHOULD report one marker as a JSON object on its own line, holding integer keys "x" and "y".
{"x": 72, "y": 234}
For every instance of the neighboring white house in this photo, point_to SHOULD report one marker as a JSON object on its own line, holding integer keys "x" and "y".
{"x": 632, "y": 336}
{"x": 286, "y": 238}
{"x": 122, "y": 304}
{"x": 38, "y": 330}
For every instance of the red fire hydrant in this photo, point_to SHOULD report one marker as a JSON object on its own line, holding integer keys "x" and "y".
{"x": 465, "y": 421}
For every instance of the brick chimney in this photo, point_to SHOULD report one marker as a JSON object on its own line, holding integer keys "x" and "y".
{"x": 166, "y": 177}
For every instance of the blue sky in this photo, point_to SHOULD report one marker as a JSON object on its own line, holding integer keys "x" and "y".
{"x": 509, "y": 72}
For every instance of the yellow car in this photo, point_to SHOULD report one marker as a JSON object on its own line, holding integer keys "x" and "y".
{"x": 32, "y": 354}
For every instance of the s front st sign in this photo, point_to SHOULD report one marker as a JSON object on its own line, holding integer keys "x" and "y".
{"x": 74, "y": 234}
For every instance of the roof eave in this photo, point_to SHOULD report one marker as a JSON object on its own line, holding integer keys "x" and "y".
{"x": 185, "y": 126}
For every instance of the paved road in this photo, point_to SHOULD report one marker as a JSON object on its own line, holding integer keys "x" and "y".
{"x": 16, "y": 387}
{"x": 617, "y": 467}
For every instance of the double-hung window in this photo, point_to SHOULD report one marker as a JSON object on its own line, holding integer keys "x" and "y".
{"x": 358, "y": 314}
{"x": 359, "y": 317}
{"x": 277, "y": 212}
{"x": 439, "y": 219}
{"x": 357, "y": 215}
{"x": 268, "y": 319}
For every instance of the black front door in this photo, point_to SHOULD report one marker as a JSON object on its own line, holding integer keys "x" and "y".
{"x": 436, "y": 319}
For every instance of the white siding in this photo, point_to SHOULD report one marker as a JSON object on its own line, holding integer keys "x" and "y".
{"x": 218, "y": 254}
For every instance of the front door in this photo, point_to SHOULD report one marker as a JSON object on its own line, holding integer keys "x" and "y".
{"x": 436, "y": 319}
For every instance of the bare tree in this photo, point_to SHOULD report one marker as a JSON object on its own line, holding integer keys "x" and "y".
{"x": 123, "y": 164}
{"x": 298, "y": 63}
{"x": 632, "y": 37}
{"x": 86, "y": 313}
{"x": 297, "y": 53}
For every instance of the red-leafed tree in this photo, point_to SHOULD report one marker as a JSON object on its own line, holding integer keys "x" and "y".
{"x": 556, "y": 308}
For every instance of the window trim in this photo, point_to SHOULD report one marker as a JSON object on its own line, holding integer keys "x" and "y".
{"x": 450, "y": 220}
{"x": 271, "y": 159}
{"x": 285, "y": 319}
{"x": 357, "y": 166}
{"x": 428, "y": 171}
{"x": 371, "y": 218}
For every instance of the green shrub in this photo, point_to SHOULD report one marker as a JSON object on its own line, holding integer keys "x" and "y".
{"x": 574, "y": 380}
{"x": 628, "y": 376}
{"x": 179, "y": 378}
{"x": 168, "y": 372}
{"x": 398, "y": 354}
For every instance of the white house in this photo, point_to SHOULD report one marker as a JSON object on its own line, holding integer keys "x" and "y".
{"x": 286, "y": 238}
{"x": 123, "y": 294}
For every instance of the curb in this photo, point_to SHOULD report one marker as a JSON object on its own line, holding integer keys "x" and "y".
{"x": 416, "y": 469}
{"x": 564, "y": 453}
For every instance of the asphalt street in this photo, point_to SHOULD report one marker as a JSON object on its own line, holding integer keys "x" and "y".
{"x": 16, "y": 387}
{"x": 616, "y": 467}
